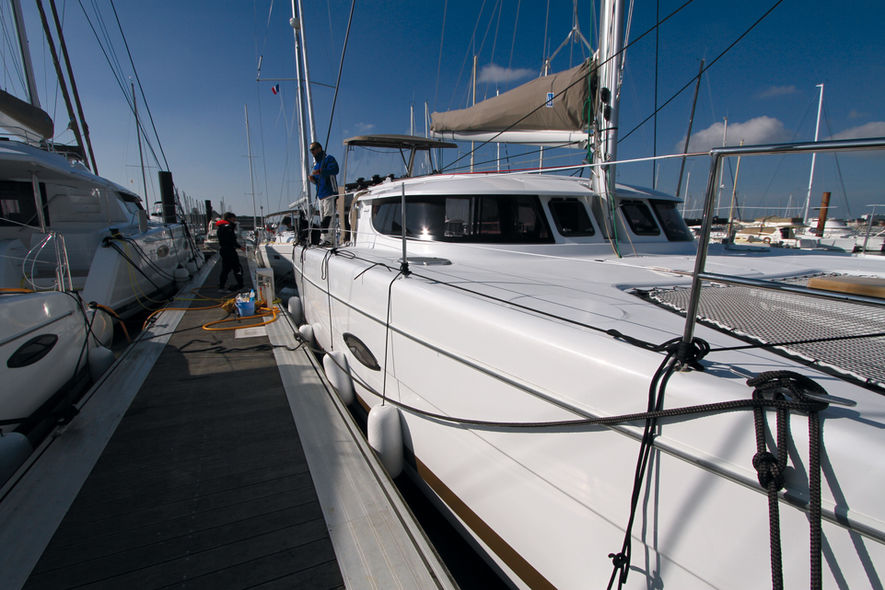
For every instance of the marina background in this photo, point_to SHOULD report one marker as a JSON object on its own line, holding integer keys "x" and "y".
{"x": 198, "y": 64}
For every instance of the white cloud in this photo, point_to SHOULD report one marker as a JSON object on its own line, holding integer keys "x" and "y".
{"x": 873, "y": 129}
{"x": 855, "y": 114}
{"x": 755, "y": 131}
{"x": 362, "y": 128}
{"x": 773, "y": 91}
{"x": 494, "y": 73}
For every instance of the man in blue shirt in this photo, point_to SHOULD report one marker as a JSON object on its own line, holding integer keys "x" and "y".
{"x": 324, "y": 170}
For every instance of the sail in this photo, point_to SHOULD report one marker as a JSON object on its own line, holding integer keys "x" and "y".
{"x": 550, "y": 109}
{"x": 19, "y": 116}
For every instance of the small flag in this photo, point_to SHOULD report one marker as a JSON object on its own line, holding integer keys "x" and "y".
{"x": 275, "y": 89}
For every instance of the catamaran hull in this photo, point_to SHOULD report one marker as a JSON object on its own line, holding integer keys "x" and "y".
{"x": 549, "y": 504}
{"x": 42, "y": 346}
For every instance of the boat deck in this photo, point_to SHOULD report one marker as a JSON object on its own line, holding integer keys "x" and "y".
{"x": 208, "y": 481}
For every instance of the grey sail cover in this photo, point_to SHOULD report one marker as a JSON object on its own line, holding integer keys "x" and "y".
{"x": 17, "y": 115}
{"x": 556, "y": 102}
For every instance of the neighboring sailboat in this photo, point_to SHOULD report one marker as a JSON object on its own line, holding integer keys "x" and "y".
{"x": 74, "y": 248}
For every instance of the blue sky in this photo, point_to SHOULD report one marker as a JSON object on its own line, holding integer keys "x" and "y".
{"x": 197, "y": 61}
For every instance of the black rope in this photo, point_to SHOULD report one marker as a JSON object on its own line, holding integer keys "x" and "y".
{"x": 121, "y": 252}
{"x": 770, "y": 467}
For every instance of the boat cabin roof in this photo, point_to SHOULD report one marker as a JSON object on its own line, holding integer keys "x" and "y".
{"x": 496, "y": 183}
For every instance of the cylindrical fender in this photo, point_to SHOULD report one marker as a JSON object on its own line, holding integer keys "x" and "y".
{"x": 295, "y": 308}
{"x": 385, "y": 435}
{"x": 100, "y": 360}
{"x": 14, "y": 450}
{"x": 306, "y": 331}
{"x": 102, "y": 327}
{"x": 338, "y": 374}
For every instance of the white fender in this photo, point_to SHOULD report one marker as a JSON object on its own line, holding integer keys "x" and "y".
{"x": 180, "y": 273}
{"x": 295, "y": 309}
{"x": 306, "y": 331}
{"x": 385, "y": 435}
{"x": 102, "y": 325}
{"x": 14, "y": 449}
{"x": 100, "y": 360}
{"x": 338, "y": 374}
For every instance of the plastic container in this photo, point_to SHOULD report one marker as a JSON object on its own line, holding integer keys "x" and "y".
{"x": 245, "y": 308}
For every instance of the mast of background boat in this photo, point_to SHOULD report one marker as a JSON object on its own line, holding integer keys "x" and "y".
{"x": 251, "y": 177}
{"x": 605, "y": 132}
{"x": 138, "y": 135}
{"x": 473, "y": 143}
{"x": 820, "y": 102}
{"x": 694, "y": 103}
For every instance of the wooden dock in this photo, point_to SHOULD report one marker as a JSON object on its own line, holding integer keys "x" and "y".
{"x": 232, "y": 467}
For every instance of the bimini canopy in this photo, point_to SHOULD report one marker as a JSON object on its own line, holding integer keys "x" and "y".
{"x": 410, "y": 144}
{"x": 549, "y": 110}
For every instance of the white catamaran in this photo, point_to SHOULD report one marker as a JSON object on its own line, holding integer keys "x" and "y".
{"x": 520, "y": 342}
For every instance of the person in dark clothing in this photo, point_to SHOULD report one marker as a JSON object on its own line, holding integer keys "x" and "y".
{"x": 323, "y": 175}
{"x": 227, "y": 249}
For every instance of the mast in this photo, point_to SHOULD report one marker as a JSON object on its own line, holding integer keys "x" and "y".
{"x": 302, "y": 142}
{"x": 820, "y": 102}
{"x": 605, "y": 137}
{"x": 309, "y": 106}
{"x": 25, "y": 53}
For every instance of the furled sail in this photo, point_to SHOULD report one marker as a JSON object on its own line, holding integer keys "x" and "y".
{"x": 20, "y": 117}
{"x": 546, "y": 111}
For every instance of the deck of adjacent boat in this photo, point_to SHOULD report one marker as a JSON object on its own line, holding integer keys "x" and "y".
{"x": 205, "y": 482}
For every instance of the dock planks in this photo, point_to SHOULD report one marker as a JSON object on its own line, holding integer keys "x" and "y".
{"x": 204, "y": 484}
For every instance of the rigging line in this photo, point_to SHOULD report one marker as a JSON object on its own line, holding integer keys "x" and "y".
{"x": 261, "y": 140}
{"x": 579, "y": 81}
{"x": 467, "y": 53}
{"x": 115, "y": 74}
{"x": 340, "y": 69}
{"x": 13, "y": 50}
{"x": 442, "y": 36}
{"x": 838, "y": 168}
{"x": 140, "y": 87}
{"x": 710, "y": 65}
{"x": 515, "y": 27}
{"x": 544, "y": 46}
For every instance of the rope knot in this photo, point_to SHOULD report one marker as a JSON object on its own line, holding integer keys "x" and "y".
{"x": 619, "y": 560}
{"x": 768, "y": 471}
{"x": 789, "y": 385}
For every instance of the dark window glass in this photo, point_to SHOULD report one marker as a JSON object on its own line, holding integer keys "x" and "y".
{"x": 672, "y": 221}
{"x": 509, "y": 219}
{"x": 570, "y": 217}
{"x": 640, "y": 218}
{"x": 17, "y": 204}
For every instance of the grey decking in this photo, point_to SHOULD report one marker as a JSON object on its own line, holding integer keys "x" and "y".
{"x": 203, "y": 485}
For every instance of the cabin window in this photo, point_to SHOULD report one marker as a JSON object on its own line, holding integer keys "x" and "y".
{"x": 570, "y": 217}
{"x": 17, "y": 204}
{"x": 639, "y": 218}
{"x": 508, "y": 219}
{"x": 671, "y": 220}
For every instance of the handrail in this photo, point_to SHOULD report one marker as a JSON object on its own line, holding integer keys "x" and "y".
{"x": 699, "y": 274}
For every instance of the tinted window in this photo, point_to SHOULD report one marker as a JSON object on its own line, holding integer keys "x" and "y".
{"x": 570, "y": 217}
{"x": 671, "y": 220}
{"x": 640, "y": 218}
{"x": 17, "y": 203}
{"x": 508, "y": 219}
